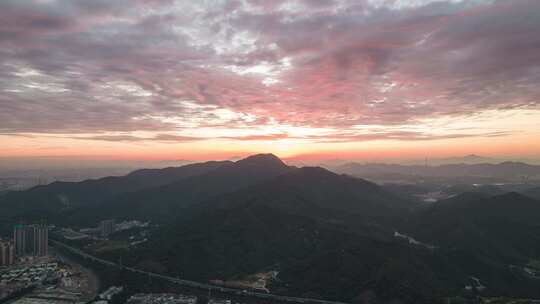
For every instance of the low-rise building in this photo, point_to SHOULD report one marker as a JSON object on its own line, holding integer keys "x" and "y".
{"x": 161, "y": 298}
{"x": 107, "y": 227}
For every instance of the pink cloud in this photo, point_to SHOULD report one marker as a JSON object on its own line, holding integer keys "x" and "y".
{"x": 358, "y": 65}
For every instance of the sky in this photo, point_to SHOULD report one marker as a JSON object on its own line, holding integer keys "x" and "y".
{"x": 355, "y": 79}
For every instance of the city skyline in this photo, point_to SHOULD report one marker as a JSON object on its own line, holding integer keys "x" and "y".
{"x": 305, "y": 80}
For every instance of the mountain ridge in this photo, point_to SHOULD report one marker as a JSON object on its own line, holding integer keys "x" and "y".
{"x": 165, "y": 202}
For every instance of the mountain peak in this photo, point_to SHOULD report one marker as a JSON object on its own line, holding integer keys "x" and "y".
{"x": 262, "y": 159}
{"x": 513, "y": 196}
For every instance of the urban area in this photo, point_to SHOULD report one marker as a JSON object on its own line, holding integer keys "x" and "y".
{"x": 32, "y": 271}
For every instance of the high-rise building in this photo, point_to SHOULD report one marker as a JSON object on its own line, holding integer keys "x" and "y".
{"x": 19, "y": 239}
{"x": 7, "y": 253}
{"x": 41, "y": 240}
{"x": 107, "y": 227}
{"x": 31, "y": 240}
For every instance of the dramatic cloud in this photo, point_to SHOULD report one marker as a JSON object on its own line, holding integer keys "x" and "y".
{"x": 170, "y": 67}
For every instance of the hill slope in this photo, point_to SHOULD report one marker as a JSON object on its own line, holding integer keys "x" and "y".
{"x": 487, "y": 237}
{"x": 533, "y": 192}
{"x": 161, "y": 204}
{"x": 507, "y": 224}
{"x": 317, "y": 192}
{"x": 312, "y": 225}
{"x": 46, "y": 202}
{"x": 314, "y": 258}
{"x": 298, "y": 224}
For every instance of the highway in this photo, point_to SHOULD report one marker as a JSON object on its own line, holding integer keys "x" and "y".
{"x": 194, "y": 284}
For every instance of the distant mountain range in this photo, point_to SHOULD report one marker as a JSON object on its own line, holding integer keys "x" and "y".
{"x": 501, "y": 172}
{"x": 329, "y": 235}
{"x": 471, "y": 159}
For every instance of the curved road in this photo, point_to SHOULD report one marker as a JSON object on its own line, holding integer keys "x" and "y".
{"x": 195, "y": 284}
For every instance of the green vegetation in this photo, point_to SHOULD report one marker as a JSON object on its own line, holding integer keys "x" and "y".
{"x": 329, "y": 236}
{"x": 104, "y": 246}
{"x": 534, "y": 263}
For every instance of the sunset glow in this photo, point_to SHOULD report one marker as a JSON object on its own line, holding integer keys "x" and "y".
{"x": 302, "y": 79}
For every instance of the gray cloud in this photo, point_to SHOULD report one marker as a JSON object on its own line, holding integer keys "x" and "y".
{"x": 327, "y": 138}
{"x": 121, "y": 66}
{"x": 131, "y": 138}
